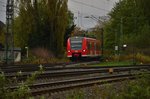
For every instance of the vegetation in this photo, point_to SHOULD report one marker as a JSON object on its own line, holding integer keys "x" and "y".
{"x": 2, "y": 37}
{"x": 129, "y": 24}
{"x": 23, "y": 90}
{"x": 41, "y": 56}
{"x": 114, "y": 63}
{"x": 139, "y": 89}
{"x": 42, "y": 23}
{"x": 136, "y": 89}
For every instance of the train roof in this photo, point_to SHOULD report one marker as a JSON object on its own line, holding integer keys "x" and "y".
{"x": 79, "y": 37}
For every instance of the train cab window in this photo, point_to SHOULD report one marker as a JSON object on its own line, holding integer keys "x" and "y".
{"x": 76, "y": 43}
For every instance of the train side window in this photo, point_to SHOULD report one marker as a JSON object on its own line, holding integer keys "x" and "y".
{"x": 95, "y": 46}
{"x": 98, "y": 46}
{"x": 88, "y": 45}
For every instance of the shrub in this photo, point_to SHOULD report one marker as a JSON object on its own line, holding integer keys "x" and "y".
{"x": 143, "y": 58}
{"x": 41, "y": 56}
{"x": 135, "y": 89}
{"x": 23, "y": 90}
{"x": 76, "y": 94}
{"x": 139, "y": 89}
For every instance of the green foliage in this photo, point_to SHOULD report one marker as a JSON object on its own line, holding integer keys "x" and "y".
{"x": 144, "y": 34}
{"x": 6, "y": 93}
{"x": 22, "y": 91}
{"x": 129, "y": 24}
{"x": 139, "y": 89}
{"x": 68, "y": 33}
{"x": 76, "y": 94}
{"x": 129, "y": 89}
{"x": 3, "y": 90}
{"x": 42, "y": 24}
{"x": 143, "y": 59}
{"x": 2, "y": 33}
{"x": 70, "y": 27}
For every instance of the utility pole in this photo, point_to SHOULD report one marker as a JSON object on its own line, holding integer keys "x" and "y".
{"x": 9, "y": 36}
{"x": 134, "y": 46}
{"x": 121, "y": 35}
{"x": 102, "y": 42}
{"x": 78, "y": 18}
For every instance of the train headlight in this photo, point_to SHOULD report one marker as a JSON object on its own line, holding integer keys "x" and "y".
{"x": 83, "y": 50}
{"x": 69, "y": 51}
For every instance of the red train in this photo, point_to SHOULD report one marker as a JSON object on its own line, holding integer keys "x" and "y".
{"x": 83, "y": 47}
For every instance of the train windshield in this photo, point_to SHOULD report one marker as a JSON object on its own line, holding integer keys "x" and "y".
{"x": 76, "y": 43}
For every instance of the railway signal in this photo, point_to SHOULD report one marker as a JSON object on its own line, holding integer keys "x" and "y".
{"x": 9, "y": 41}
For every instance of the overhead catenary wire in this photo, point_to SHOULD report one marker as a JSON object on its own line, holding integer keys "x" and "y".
{"x": 2, "y": 2}
{"x": 92, "y": 6}
{"x": 1, "y": 10}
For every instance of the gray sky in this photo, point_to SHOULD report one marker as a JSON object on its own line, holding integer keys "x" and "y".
{"x": 80, "y": 8}
{"x": 2, "y": 10}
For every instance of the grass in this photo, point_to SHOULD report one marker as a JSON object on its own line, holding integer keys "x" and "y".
{"x": 114, "y": 63}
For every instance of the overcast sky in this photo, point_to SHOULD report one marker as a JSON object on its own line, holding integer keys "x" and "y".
{"x": 80, "y": 8}
{"x": 2, "y": 10}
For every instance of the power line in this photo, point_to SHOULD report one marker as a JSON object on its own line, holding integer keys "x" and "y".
{"x": 83, "y": 13}
{"x": 92, "y": 6}
{"x": 2, "y": 2}
{"x": 3, "y": 10}
{"x": 2, "y": 5}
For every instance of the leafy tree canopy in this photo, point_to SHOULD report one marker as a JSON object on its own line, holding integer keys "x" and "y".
{"x": 129, "y": 24}
{"x": 42, "y": 23}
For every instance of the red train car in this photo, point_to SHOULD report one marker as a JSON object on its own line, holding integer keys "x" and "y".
{"x": 83, "y": 47}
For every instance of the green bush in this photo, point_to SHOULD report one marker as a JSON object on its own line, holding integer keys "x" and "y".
{"x": 135, "y": 89}
{"x": 143, "y": 58}
{"x": 76, "y": 94}
{"x": 41, "y": 56}
{"x": 23, "y": 90}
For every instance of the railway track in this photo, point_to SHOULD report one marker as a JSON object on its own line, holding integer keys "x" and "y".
{"x": 35, "y": 67}
{"x": 51, "y": 87}
{"x": 60, "y": 79}
{"x": 77, "y": 71}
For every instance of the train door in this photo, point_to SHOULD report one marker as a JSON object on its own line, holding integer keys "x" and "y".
{"x": 95, "y": 48}
{"x": 90, "y": 48}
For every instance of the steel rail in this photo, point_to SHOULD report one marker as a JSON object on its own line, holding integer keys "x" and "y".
{"x": 47, "y": 67}
{"x": 35, "y": 67}
{"x": 74, "y": 80}
{"x": 51, "y": 87}
{"x": 76, "y": 72}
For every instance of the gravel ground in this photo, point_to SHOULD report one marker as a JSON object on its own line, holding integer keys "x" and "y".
{"x": 94, "y": 92}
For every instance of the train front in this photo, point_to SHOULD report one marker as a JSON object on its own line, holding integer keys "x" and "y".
{"x": 75, "y": 47}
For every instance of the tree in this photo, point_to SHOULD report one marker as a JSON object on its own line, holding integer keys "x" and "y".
{"x": 128, "y": 20}
{"x": 2, "y": 34}
{"x": 70, "y": 27}
{"x": 42, "y": 23}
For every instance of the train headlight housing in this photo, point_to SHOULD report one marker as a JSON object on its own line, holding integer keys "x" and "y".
{"x": 69, "y": 51}
{"x": 83, "y": 50}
